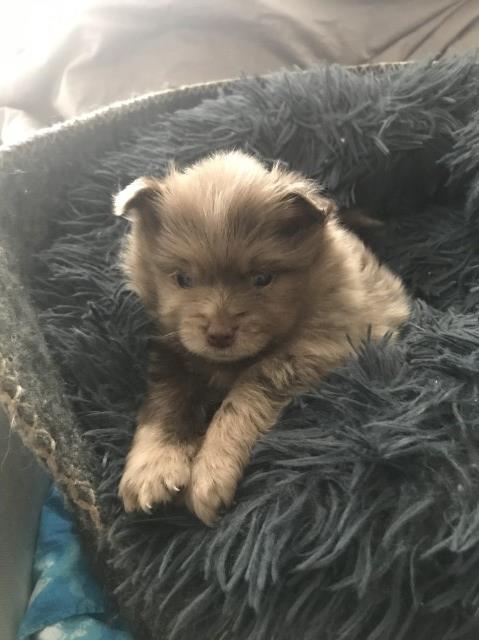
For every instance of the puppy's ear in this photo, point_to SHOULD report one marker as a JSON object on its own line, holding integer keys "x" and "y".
{"x": 140, "y": 200}
{"x": 302, "y": 213}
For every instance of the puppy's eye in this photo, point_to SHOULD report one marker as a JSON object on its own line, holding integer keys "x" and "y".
{"x": 183, "y": 281}
{"x": 262, "y": 279}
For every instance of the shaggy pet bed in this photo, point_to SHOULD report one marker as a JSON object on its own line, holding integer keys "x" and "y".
{"x": 358, "y": 516}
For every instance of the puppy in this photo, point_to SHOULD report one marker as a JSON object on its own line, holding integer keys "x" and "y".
{"x": 257, "y": 292}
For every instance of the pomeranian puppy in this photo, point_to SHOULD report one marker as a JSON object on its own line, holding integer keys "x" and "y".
{"x": 257, "y": 292}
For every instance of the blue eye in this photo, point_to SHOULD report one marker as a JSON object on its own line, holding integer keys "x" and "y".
{"x": 183, "y": 281}
{"x": 262, "y": 279}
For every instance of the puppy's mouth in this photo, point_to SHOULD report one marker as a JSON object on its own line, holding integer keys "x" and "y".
{"x": 224, "y": 354}
{"x": 219, "y": 354}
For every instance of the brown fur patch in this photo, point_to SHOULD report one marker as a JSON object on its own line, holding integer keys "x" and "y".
{"x": 258, "y": 291}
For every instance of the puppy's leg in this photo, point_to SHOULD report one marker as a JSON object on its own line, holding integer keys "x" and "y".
{"x": 248, "y": 411}
{"x": 158, "y": 464}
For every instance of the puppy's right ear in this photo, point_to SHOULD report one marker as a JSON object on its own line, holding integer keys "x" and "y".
{"x": 140, "y": 200}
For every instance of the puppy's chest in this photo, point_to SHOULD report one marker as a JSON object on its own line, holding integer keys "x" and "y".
{"x": 214, "y": 381}
{"x": 221, "y": 380}
{"x": 212, "y": 388}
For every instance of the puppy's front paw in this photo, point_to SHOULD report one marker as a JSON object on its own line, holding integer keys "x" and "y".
{"x": 214, "y": 478}
{"x": 154, "y": 476}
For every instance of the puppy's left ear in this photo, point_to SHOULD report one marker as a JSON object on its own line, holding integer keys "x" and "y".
{"x": 140, "y": 200}
{"x": 304, "y": 212}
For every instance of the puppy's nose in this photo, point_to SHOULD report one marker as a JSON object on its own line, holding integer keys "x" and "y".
{"x": 220, "y": 336}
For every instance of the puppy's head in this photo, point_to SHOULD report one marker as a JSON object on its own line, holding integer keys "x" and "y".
{"x": 222, "y": 253}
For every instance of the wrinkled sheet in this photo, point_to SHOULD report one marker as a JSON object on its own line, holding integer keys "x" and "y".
{"x": 106, "y": 50}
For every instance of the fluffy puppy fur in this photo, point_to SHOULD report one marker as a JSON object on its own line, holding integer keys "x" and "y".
{"x": 257, "y": 292}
